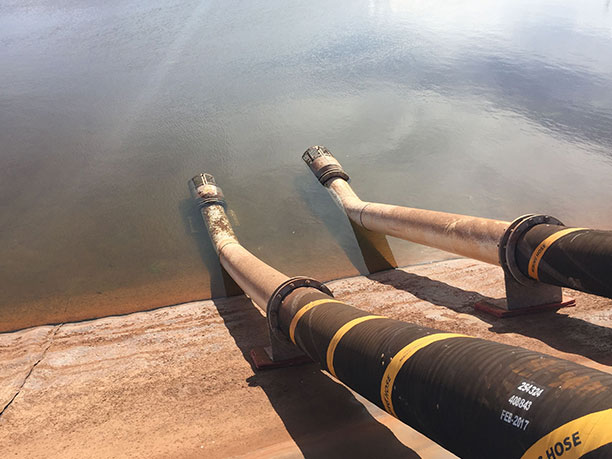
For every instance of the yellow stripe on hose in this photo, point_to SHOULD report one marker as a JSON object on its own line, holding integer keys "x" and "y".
{"x": 538, "y": 253}
{"x": 398, "y": 361}
{"x": 576, "y": 438}
{"x": 303, "y": 310}
{"x": 333, "y": 344}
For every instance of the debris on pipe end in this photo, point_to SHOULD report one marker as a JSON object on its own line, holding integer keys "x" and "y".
{"x": 205, "y": 191}
{"x": 323, "y": 164}
{"x": 203, "y": 179}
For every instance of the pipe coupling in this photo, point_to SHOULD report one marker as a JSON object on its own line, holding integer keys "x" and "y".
{"x": 281, "y": 293}
{"x": 205, "y": 190}
{"x": 510, "y": 239}
{"x": 323, "y": 164}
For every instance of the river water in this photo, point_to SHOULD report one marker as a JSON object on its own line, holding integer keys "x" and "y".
{"x": 493, "y": 109}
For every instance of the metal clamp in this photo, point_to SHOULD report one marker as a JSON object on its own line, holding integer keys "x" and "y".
{"x": 205, "y": 190}
{"x": 326, "y": 168}
{"x": 509, "y": 241}
{"x": 281, "y": 293}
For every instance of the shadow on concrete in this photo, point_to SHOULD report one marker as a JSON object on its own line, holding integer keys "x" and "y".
{"x": 558, "y": 330}
{"x": 323, "y": 417}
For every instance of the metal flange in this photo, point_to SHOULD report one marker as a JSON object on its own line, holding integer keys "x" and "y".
{"x": 281, "y": 293}
{"x": 509, "y": 241}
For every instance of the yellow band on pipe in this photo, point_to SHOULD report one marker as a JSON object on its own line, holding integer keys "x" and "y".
{"x": 576, "y": 438}
{"x": 538, "y": 253}
{"x": 303, "y": 310}
{"x": 333, "y": 344}
{"x": 398, "y": 361}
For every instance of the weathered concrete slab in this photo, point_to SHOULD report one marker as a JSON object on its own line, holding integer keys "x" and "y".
{"x": 177, "y": 381}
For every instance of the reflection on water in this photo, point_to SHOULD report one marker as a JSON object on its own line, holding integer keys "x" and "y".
{"x": 107, "y": 108}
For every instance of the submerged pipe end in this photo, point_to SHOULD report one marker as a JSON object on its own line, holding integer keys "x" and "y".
{"x": 323, "y": 164}
{"x": 205, "y": 191}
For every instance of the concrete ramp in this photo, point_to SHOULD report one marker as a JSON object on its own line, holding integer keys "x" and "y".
{"x": 178, "y": 382}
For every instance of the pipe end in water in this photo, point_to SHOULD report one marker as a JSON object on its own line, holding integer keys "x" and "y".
{"x": 323, "y": 164}
{"x": 205, "y": 191}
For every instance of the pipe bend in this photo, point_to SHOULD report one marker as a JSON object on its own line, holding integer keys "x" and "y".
{"x": 347, "y": 199}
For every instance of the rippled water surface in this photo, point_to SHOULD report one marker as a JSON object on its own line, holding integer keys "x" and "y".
{"x": 493, "y": 109}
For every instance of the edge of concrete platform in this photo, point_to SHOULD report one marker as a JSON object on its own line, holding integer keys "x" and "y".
{"x": 177, "y": 381}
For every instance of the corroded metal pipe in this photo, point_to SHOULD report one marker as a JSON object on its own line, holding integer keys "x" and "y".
{"x": 471, "y": 237}
{"x": 474, "y": 397}
{"x": 532, "y": 247}
{"x": 257, "y": 279}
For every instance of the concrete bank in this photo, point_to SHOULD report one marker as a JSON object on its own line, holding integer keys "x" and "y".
{"x": 177, "y": 381}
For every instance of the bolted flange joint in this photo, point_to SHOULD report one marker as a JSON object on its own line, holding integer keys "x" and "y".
{"x": 509, "y": 242}
{"x": 205, "y": 190}
{"x": 281, "y": 293}
{"x": 323, "y": 164}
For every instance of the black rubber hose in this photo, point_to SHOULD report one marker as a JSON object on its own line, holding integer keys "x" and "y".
{"x": 579, "y": 258}
{"x": 476, "y": 398}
